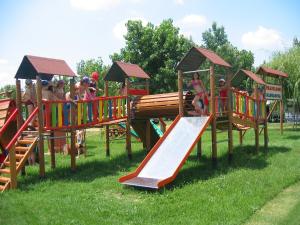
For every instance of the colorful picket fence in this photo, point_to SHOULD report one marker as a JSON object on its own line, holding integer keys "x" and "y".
{"x": 57, "y": 114}
{"x": 247, "y": 106}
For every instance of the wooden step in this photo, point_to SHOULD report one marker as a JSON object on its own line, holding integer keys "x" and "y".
{"x": 19, "y": 156}
{"x": 8, "y": 163}
{"x": 25, "y": 141}
{"x": 2, "y": 187}
{"x": 6, "y": 171}
{"x": 21, "y": 149}
{"x": 4, "y": 179}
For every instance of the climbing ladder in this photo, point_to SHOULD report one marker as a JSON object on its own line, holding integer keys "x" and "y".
{"x": 23, "y": 149}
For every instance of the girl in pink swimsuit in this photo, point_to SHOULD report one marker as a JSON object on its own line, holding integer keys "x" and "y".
{"x": 200, "y": 93}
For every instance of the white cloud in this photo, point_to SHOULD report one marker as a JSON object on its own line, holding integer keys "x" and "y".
{"x": 263, "y": 39}
{"x": 120, "y": 29}
{"x": 94, "y": 5}
{"x": 179, "y": 2}
{"x": 3, "y": 61}
{"x": 192, "y": 25}
{"x": 6, "y": 78}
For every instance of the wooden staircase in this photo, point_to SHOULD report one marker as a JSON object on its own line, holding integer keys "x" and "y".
{"x": 23, "y": 148}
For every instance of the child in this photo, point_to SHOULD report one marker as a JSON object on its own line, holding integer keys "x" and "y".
{"x": 59, "y": 91}
{"x": 223, "y": 94}
{"x": 29, "y": 98}
{"x": 200, "y": 93}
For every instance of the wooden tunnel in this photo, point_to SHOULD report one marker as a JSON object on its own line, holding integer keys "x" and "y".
{"x": 161, "y": 105}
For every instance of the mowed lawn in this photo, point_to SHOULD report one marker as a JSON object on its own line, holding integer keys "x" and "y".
{"x": 229, "y": 194}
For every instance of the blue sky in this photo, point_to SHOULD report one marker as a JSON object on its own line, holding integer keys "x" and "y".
{"x": 83, "y": 29}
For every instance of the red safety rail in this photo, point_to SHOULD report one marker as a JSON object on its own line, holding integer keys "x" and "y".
{"x": 137, "y": 92}
{"x": 22, "y": 128}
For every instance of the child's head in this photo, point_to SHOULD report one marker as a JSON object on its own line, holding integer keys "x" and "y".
{"x": 196, "y": 76}
{"x": 222, "y": 82}
{"x": 60, "y": 84}
{"x": 85, "y": 82}
{"x": 28, "y": 83}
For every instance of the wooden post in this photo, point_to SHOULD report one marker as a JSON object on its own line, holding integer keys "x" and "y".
{"x": 128, "y": 135}
{"x": 281, "y": 108}
{"x": 52, "y": 151}
{"x": 241, "y": 137}
{"x": 107, "y": 150}
{"x": 199, "y": 149}
{"x": 180, "y": 92}
{"x": 148, "y": 86}
{"x": 19, "y": 103}
{"x": 213, "y": 114}
{"x": 19, "y": 117}
{"x": 40, "y": 126}
{"x": 13, "y": 167}
{"x": 73, "y": 131}
{"x": 148, "y": 135}
{"x": 256, "y": 129}
{"x": 229, "y": 109}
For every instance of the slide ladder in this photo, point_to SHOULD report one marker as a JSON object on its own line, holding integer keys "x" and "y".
{"x": 23, "y": 148}
{"x": 20, "y": 147}
{"x": 168, "y": 155}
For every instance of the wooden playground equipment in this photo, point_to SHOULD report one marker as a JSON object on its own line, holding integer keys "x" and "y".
{"x": 135, "y": 108}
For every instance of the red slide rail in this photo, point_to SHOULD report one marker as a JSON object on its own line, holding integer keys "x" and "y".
{"x": 22, "y": 128}
{"x": 12, "y": 117}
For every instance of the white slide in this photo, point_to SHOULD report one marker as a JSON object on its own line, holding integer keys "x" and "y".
{"x": 164, "y": 161}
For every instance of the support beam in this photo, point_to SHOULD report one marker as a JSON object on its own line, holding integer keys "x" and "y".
{"x": 73, "y": 131}
{"x": 229, "y": 109}
{"x": 281, "y": 116}
{"x": 19, "y": 117}
{"x": 107, "y": 150}
{"x": 40, "y": 126}
{"x": 199, "y": 149}
{"x": 241, "y": 135}
{"x": 180, "y": 92}
{"x": 256, "y": 129}
{"x": 148, "y": 136}
{"x": 52, "y": 151}
{"x": 213, "y": 114}
{"x": 13, "y": 167}
{"x": 128, "y": 122}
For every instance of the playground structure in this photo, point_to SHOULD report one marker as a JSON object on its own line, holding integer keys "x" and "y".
{"x": 136, "y": 108}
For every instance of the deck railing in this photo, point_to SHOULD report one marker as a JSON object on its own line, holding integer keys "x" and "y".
{"x": 58, "y": 114}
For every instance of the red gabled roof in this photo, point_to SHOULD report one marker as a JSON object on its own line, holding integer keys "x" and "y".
{"x": 253, "y": 76}
{"x": 119, "y": 71}
{"x": 213, "y": 57}
{"x": 196, "y": 56}
{"x": 31, "y": 66}
{"x": 50, "y": 66}
{"x": 132, "y": 70}
{"x": 271, "y": 72}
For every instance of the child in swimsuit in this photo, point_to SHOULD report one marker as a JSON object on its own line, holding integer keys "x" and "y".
{"x": 200, "y": 93}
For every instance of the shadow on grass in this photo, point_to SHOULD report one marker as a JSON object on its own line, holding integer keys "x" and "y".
{"x": 293, "y": 137}
{"x": 244, "y": 157}
{"x": 87, "y": 171}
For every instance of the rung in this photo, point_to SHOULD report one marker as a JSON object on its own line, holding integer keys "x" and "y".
{"x": 19, "y": 156}
{"x": 8, "y": 163}
{"x": 4, "y": 179}
{"x": 223, "y": 121}
{"x": 222, "y": 141}
{"x": 6, "y": 171}
{"x": 25, "y": 141}
{"x": 21, "y": 149}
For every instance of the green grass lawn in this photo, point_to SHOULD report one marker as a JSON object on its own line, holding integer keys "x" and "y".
{"x": 229, "y": 194}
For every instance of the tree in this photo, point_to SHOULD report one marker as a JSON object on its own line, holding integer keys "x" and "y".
{"x": 215, "y": 39}
{"x": 6, "y": 89}
{"x": 156, "y": 49}
{"x": 87, "y": 67}
{"x": 288, "y": 62}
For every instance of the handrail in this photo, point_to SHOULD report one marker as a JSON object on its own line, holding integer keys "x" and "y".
{"x": 11, "y": 117}
{"x": 22, "y": 128}
{"x": 84, "y": 101}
